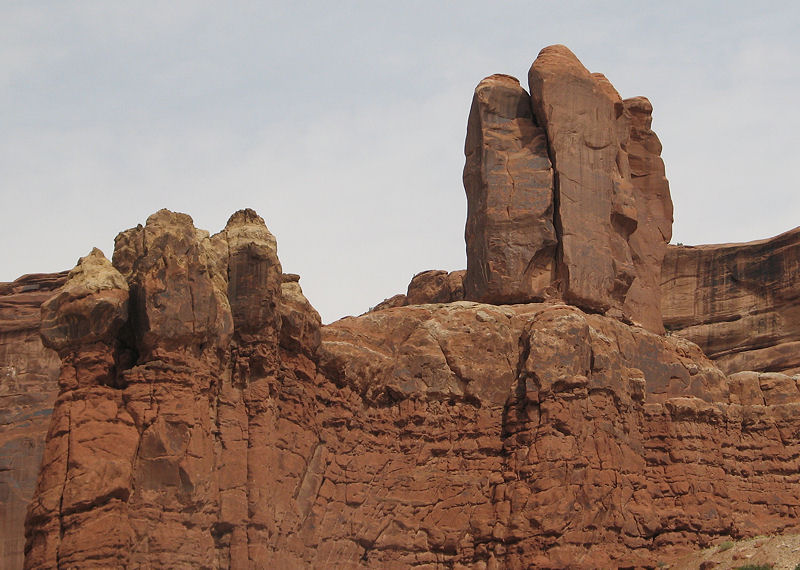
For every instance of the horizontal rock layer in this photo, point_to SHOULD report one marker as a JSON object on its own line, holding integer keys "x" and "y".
{"x": 739, "y": 302}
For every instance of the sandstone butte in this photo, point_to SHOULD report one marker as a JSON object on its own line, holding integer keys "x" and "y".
{"x": 181, "y": 406}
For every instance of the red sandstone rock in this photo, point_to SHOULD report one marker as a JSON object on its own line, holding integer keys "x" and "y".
{"x": 648, "y": 243}
{"x": 435, "y": 286}
{"x": 86, "y": 467}
{"x": 509, "y": 183}
{"x": 28, "y": 387}
{"x": 428, "y": 287}
{"x": 594, "y": 215}
{"x": 452, "y": 433}
{"x": 612, "y": 221}
{"x": 739, "y": 302}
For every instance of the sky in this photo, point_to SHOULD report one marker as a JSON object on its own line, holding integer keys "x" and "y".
{"x": 342, "y": 124}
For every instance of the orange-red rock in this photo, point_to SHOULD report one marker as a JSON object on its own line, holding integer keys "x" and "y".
{"x": 609, "y": 181}
{"x": 28, "y": 387}
{"x": 509, "y": 183}
{"x": 739, "y": 302}
{"x": 455, "y": 433}
{"x": 584, "y": 120}
{"x": 206, "y": 419}
{"x": 648, "y": 243}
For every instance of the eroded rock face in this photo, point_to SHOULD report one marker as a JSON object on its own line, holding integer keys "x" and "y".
{"x": 590, "y": 227}
{"x": 28, "y": 388}
{"x": 649, "y": 242}
{"x": 586, "y": 131}
{"x": 234, "y": 432}
{"x": 509, "y": 182}
{"x": 163, "y": 423}
{"x": 426, "y": 287}
{"x": 208, "y": 420}
{"x": 739, "y": 302}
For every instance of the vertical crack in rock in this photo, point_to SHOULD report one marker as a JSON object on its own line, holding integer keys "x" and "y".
{"x": 602, "y": 251}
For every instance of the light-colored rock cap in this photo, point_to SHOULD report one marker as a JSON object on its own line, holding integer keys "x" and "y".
{"x": 95, "y": 273}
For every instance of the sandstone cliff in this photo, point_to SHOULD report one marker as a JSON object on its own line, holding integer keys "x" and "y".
{"x": 28, "y": 387}
{"x": 214, "y": 427}
{"x": 739, "y": 302}
{"x": 526, "y": 412}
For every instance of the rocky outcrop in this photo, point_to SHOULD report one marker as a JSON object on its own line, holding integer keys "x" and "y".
{"x": 540, "y": 435}
{"x": 600, "y": 199}
{"x": 162, "y": 429}
{"x": 28, "y": 387}
{"x": 426, "y": 287}
{"x": 566, "y": 192}
{"x": 654, "y": 215}
{"x": 739, "y": 302}
{"x": 508, "y": 177}
{"x": 454, "y": 434}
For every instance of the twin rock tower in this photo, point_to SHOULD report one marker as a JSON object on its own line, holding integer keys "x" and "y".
{"x": 566, "y": 192}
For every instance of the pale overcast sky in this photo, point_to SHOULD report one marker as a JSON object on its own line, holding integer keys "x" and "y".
{"x": 342, "y": 123}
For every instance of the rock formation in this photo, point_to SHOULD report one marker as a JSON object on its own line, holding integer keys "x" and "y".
{"x": 566, "y": 192}
{"x": 511, "y": 240}
{"x": 440, "y": 434}
{"x": 28, "y": 387}
{"x": 523, "y": 413}
{"x": 739, "y": 302}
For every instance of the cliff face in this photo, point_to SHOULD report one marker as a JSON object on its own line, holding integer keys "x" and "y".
{"x": 739, "y": 302}
{"x": 207, "y": 418}
{"x": 28, "y": 387}
{"x": 214, "y": 428}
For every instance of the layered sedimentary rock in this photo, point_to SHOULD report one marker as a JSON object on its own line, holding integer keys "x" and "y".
{"x": 28, "y": 387}
{"x": 206, "y": 419}
{"x": 509, "y": 182}
{"x": 739, "y": 302}
{"x": 540, "y": 436}
{"x": 441, "y": 434}
{"x": 163, "y": 429}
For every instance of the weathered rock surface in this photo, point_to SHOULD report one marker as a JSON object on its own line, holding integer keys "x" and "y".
{"x": 28, "y": 387}
{"x": 508, "y": 177}
{"x": 591, "y": 227}
{"x": 584, "y": 120}
{"x": 163, "y": 429}
{"x": 739, "y": 302}
{"x": 426, "y": 287}
{"x": 648, "y": 243}
{"x": 229, "y": 432}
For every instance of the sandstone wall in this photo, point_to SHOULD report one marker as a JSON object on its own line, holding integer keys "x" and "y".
{"x": 739, "y": 302}
{"x": 214, "y": 424}
{"x": 28, "y": 388}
